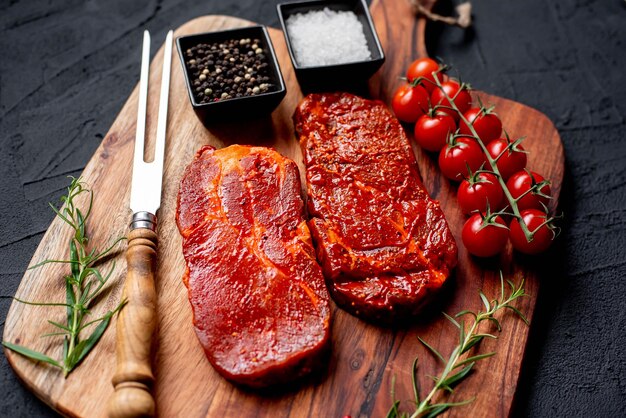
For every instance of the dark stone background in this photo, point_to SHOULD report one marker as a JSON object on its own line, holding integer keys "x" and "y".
{"x": 67, "y": 66}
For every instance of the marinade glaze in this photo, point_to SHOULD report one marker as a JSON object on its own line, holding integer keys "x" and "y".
{"x": 383, "y": 243}
{"x": 260, "y": 305}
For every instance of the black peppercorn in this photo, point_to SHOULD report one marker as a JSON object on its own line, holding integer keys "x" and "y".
{"x": 233, "y": 68}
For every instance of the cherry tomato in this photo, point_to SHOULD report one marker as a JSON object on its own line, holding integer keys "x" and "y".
{"x": 454, "y": 159}
{"x": 520, "y": 183}
{"x": 487, "y": 125}
{"x": 542, "y": 235}
{"x": 410, "y": 102}
{"x": 452, "y": 88}
{"x": 431, "y": 131}
{"x": 511, "y": 161}
{"x": 424, "y": 68}
{"x": 474, "y": 193}
{"x": 482, "y": 238}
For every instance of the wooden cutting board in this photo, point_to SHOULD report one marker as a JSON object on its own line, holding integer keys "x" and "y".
{"x": 365, "y": 358}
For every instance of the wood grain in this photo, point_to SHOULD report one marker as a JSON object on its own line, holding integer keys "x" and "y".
{"x": 364, "y": 358}
{"x": 136, "y": 323}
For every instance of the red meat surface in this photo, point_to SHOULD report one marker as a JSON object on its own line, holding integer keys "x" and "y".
{"x": 260, "y": 306}
{"x": 383, "y": 243}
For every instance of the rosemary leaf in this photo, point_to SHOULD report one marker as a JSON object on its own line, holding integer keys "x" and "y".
{"x": 475, "y": 358}
{"x": 471, "y": 343}
{"x": 393, "y": 411}
{"x": 76, "y": 355}
{"x": 70, "y": 297}
{"x": 56, "y": 324}
{"x": 495, "y": 322}
{"x": 108, "y": 250}
{"x": 432, "y": 350}
{"x": 517, "y": 311}
{"x": 509, "y": 282}
{"x": 49, "y": 262}
{"x": 80, "y": 294}
{"x": 65, "y": 346}
{"x": 466, "y": 312}
{"x": 452, "y": 380}
{"x": 485, "y": 335}
{"x": 106, "y": 317}
{"x": 440, "y": 408}
{"x": 53, "y": 334}
{"x": 95, "y": 336}
{"x": 75, "y": 266}
{"x": 27, "y": 352}
{"x": 454, "y": 321}
{"x": 87, "y": 289}
{"x": 96, "y": 273}
{"x": 416, "y": 389}
{"x": 67, "y": 221}
{"x": 437, "y": 410}
{"x": 485, "y": 300}
{"x": 459, "y": 364}
{"x": 461, "y": 337}
{"x": 81, "y": 223}
{"x": 25, "y": 302}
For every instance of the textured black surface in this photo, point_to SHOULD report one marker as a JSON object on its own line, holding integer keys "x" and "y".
{"x": 66, "y": 68}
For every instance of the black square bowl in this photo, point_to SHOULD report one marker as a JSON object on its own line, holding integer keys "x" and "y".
{"x": 339, "y": 76}
{"x": 236, "y": 108}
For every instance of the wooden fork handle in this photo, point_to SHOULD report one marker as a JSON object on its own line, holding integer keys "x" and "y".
{"x": 136, "y": 325}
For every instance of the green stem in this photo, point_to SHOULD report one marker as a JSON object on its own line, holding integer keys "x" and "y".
{"x": 77, "y": 309}
{"x": 452, "y": 364}
{"x": 83, "y": 275}
{"x": 77, "y": 312}
{"x": 492, "y": 163}
{"x": 464, "y": 346}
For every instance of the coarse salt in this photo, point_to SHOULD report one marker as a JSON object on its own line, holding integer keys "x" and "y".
{"x": 327, "y": 37}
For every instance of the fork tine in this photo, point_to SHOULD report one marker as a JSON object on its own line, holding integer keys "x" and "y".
{"x": 163, "y": 101}
{"x": 140, "y": 136}
{"x": 147, "y": 179}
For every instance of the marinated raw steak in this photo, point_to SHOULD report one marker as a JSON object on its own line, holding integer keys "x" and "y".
{"x": 383, "y": 243}
{"x": 260, "y": 306}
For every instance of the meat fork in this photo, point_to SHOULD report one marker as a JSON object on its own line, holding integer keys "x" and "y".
{"x": 136, "y": 322}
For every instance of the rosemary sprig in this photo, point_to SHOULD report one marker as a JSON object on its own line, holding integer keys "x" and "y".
{"x": 83, "y": 285}
{"x": 459, "y": 364}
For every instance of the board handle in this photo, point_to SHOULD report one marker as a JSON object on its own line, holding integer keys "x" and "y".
{"x": 136, "y": 324}
{"x": 404, "y": 26}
